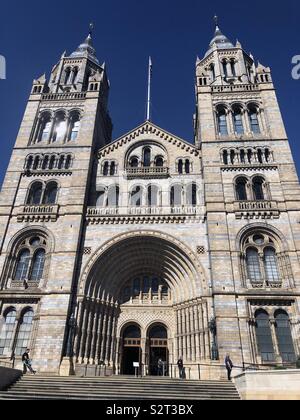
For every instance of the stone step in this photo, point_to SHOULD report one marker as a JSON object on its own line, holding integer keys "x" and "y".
{"x": 116, "y": 388}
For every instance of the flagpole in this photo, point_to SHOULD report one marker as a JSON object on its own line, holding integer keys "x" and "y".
{"x": 149, "y": 89}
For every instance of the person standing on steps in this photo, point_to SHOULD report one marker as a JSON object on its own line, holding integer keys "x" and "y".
{"x": 160, "y": 366}
{"x": 27, "y": 362}
{"x": 180, "y": 367}
{"x": 229, "y": 366}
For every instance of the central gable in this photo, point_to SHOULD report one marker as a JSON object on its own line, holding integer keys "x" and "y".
{"x": 145, "y": 132}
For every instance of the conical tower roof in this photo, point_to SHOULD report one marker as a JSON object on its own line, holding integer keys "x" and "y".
{"x": 86, "y": 50}
{"x": 219, "y": 40}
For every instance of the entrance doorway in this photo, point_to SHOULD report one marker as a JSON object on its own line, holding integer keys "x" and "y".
{"x": 158, "y": 351}
{"x": 131, "y": 349}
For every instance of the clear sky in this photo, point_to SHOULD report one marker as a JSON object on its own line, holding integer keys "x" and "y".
{"x": 34, "y": 34}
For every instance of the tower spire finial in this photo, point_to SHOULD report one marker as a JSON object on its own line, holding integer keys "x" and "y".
{"x": 91, "y": 27}
{"x": 216, "y": 20}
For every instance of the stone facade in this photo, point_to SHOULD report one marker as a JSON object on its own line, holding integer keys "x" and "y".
{"x": 148, "y": 246}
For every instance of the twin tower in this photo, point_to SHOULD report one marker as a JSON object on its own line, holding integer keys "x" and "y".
{"x": 150, "y": 247}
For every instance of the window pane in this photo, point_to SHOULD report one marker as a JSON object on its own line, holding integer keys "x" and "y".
{"x": 7, "y": 331}
{"x": 264, "y": 338}
{"x": 241, "y": 191}
{"x": 75, "y": 130}
{"x": 176, "y": 195}
{"x": 271, "y": 266}
{"x": 35, "y": 194}
{"x": 38, "y": 265}
{"x": 253, "y": 265}
{"x": 136, "y": 197}
{"x": 238, "y": 123}
{"x": 24, "y": 333}
{"x": 22, "y": 265}
{"x": 284, "y": 338}
{"x": 258, "y": 189}
{"x": 50, "y": 194}
{"x": 222, "y": 123}
{"x": 254, "y": 124}
{"x": 147, "y": 157}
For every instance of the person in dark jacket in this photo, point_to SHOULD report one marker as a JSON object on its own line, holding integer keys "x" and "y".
{"x": 27, "y": 362}
{"x": 229, "y": 366}
{"x": 181, "y": 368}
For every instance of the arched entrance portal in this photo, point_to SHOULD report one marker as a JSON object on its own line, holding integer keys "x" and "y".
{"x": 131, "y": 352}
{"x": 158, "y": 350}
{"x": 130, "y": 305}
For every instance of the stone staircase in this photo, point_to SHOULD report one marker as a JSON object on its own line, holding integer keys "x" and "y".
{"x": 117, "y": 388}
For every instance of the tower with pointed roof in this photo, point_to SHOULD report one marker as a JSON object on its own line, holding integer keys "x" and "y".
{"x": 252, "y": 203}
{"x": 45, "y": 192}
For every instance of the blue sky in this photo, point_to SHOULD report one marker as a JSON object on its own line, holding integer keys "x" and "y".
{"x": 126, "y": 32}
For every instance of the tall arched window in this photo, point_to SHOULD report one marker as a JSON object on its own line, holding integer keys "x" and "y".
{"x": 7, "y": 332}
{"x": 50, "y": 193}
{"x": 238, "y": 121}
{"x": 113, "y": 196}
{"x": 101, "y": 200}
{"x": 212, "y": 72}
{"x": 36, "y": 163}
{"x": 153, "y": 195}
{"x": 24, "y": 332}
{"x": 258, "y": 191}
{"x": 75, "y": 74}
{"x": 45, "y": 163}
{"x": 60, "y": 128}
{"x": 38, "y": 263}
{"x": 112, "y": 169}
{"x": 68, "y": 162}
{"x": 253, "y": 265}
{"x": 191, "y": 194}
{"x": 52, "y": 163}
{"x": 176, "y": 195}
{"x": 243, "y": 156}
{"x": 222, "y": 122}
{"x": 147, "y": 157}
{"x": 35, "y": 194}
{"x": 284, "y": 337}
{"x": 241, "y": 189}
{"x": 136, "y": 197}
{"x": 61, "y": 162}
{"x": 67, "y": 76}
{"x": 180, "y": 167}
{"x": 224, "y": 65}
{"x": 232, "y": 66}
{"x": 225, "y": 157}
{"x": 187, "y": 166}
{"x": 106, "y": 169}
{"x": 22, "y": 265}
{"x": 264, "y": 337}
{"x": 29, "y": 162}
{"x": 75, "y": 126}
{"x": 253, "y": 119}
{"x": 45, "y": 128}
{"x": 271, "y": 265}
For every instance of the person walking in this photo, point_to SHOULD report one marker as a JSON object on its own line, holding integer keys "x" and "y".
{"x": 180, "y": 368}
{"x": 229, "y": 366}
{"x": 27, "y": 362}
